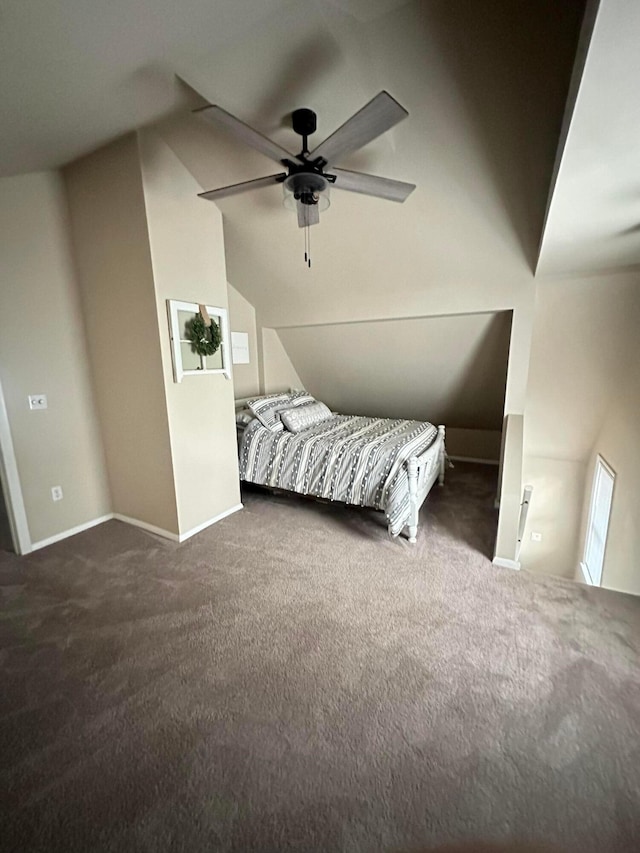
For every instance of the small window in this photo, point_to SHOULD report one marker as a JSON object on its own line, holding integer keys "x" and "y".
{"x": 186, "y": 360}
{"x": 599, "y": 512}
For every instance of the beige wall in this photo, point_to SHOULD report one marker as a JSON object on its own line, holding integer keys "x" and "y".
{"x": 450, "y": 370}
{"x": 114, "y": 267}
{"x": 242, "y": 318}
{"x": 583, "y": 399}
{"x": 187, "y": 251}
{"x": 554, "y": 511}
{"x": 43, "y": 349}
{"x": 277, "y": 371}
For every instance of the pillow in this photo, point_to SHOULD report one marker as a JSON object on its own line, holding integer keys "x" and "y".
{"x": 302, "y": 417}
{"x": 266, "y": 409}
{"x": 244, "y": 417}
{"x": 301, "y": 398}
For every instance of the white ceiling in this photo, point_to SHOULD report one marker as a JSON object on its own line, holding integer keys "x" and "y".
{"x": 77, "y": 73}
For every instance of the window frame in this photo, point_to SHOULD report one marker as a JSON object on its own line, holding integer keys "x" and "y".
{"x": 601, "y": 468}
{"x": 220, "y": 315}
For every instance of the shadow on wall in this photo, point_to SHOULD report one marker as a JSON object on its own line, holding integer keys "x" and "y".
{"x": 500, "y": 94}
{"x": 449, "y": 369}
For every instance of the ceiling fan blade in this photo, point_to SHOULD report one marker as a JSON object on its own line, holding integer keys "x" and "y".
{"x": 245, "y": 186}
{"x": 374, "y": 118}
{"x": 359, "y": 182}
{"x": 308, "y": 214}
{"x": 246, "y": 134}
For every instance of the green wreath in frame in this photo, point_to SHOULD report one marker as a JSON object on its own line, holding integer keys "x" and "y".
{"x": 205, "y": 340}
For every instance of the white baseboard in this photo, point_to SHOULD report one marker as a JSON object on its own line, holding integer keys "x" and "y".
{"x": 135, "y": 522}
{"x": 176, "y": 537}
{"x": 205, "y": 524}
{"x": 506, "y": 563}
{"x": 143, "y": 525}
{"x": 474, "y": 459}
{"x": 58, "y": 537}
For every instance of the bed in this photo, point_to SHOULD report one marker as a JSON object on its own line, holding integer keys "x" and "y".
{"x": 293, "y": 442}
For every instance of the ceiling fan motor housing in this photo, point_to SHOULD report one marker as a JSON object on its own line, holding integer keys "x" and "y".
{"x": 304, "y": 121}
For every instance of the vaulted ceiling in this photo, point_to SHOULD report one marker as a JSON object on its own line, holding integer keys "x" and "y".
{"x": 484, "y": 84}
{"x": 78, "y": 73}
{"x": 593, "y": 221}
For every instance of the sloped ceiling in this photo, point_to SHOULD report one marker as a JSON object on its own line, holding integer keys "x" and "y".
{"x": 593, "y": 222}
{"x": 78, "y": 73}
{"x": 449, "y": 370}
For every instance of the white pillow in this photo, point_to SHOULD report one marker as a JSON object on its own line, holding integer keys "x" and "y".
{"x": 244, "y": 417}
{"x": 303, "y": 417}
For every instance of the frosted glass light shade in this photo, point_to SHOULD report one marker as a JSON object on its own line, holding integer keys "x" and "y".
{"x": 295, "y": 187}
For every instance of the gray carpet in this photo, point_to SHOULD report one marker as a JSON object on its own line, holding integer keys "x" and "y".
{"x": 291, "y": 679}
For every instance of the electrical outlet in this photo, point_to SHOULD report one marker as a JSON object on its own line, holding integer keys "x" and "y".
{"x": 37, "y": 401}
{"x": 56, "y": 493}
{"x": 536, "y": 537}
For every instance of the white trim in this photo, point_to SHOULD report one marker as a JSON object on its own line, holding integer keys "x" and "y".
{"x": 506, "y": 563}
{"x": 134, "y": 522}
{"x": 583, "y": 574}
{"x": 474, "y": 459}
{"x": 175, "y": 537}
{"x": 524, "y": 511}
{"x": 175, "y": 305}
{"x": 205, "y": 524}
{"x": 10, "y": 483}
{"x": 603, "y": 467}
{"x": 143, "y": 525}
{"x": 58, "y": 537}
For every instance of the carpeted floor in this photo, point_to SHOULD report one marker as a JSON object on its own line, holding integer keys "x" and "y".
{"x": 291, "y": 679}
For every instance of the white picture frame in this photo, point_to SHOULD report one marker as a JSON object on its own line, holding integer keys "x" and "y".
{"x": 240, "y": 348}
{"x": 186, "y": 362}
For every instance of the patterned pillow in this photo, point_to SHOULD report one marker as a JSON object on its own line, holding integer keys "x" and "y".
{"x": 301, "y": 398}
{"x": 302, "y": 417}
{"x": 266, "y": 409}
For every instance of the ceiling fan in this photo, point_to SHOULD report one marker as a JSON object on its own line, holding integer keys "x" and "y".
{"x": 310, "y": 173}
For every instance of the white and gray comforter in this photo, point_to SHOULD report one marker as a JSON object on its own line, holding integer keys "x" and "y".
{"x": 355, "y": 460}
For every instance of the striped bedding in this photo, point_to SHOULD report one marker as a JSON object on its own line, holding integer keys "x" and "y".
{"x": 347, "y": 458}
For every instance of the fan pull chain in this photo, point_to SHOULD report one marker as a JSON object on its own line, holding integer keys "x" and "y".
{"x": 307, "y": 246}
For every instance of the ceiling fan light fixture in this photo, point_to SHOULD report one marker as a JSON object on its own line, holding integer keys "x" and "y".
{"x": 306, "y": 187}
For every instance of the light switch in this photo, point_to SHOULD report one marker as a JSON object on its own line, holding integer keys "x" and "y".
{"x": 536, "y": 537}
{"x": 37, "y": 401}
